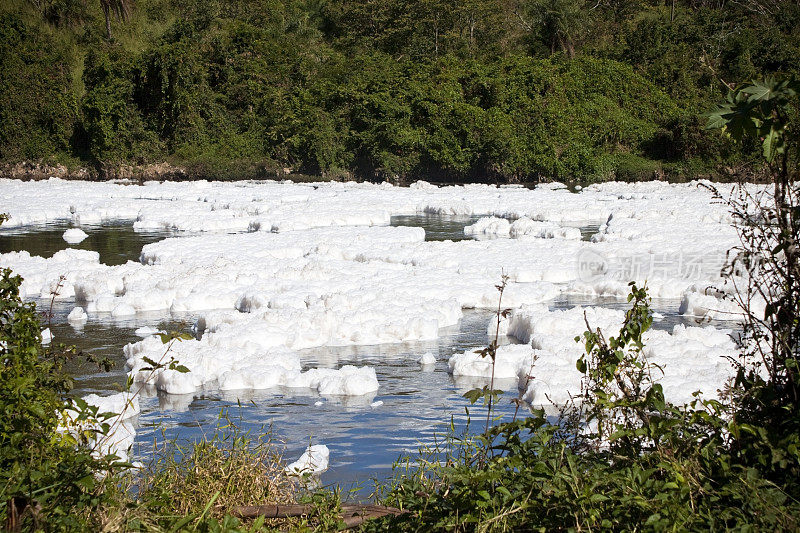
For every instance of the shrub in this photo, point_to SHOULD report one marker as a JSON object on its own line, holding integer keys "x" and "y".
{"x": 48, "y": 479}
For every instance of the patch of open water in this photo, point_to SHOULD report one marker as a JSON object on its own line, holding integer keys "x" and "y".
{"x": 116, "y": 243}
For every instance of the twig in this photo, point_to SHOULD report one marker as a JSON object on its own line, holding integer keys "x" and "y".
{"x": 352, "y": 514}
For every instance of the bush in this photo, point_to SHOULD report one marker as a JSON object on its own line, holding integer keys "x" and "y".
{"x": 48, "y": 477}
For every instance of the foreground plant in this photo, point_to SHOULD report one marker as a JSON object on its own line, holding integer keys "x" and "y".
{"x": 49, "y": 479}
{"x": 765, "y": 271}
{"x": 197, "y": 484}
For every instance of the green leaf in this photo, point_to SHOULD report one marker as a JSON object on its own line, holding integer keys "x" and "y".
{"x": 473, "y": 395}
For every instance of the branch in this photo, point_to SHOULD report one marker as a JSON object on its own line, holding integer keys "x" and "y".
{"x": 352, "y": 514}
{"x": 522, "y": 20}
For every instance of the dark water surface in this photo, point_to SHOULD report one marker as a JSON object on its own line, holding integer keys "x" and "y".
{"x": 437, "y": 227}
{"x": 116, "y": 243}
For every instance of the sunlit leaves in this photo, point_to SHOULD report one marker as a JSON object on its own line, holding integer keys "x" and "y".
{"x": 757, "y": 109}
{"x": 484, "y": 393}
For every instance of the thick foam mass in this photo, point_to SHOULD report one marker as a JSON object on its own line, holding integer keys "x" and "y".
{"x": 692, "y": 358}
{"x": 314, "y": 461}
{"x": 271, "y": 268}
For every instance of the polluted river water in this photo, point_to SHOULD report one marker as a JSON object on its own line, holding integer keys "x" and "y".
{"x": 413, "y": 406}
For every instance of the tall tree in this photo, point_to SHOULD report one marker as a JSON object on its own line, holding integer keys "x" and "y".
{"x": 119, "y": 8}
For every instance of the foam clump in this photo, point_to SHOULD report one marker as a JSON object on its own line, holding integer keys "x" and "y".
{"x": 489, "y": 227}
{"x": 346, "y": 381}
{"x": 314, "y": 461}
{"x": 115, "y": 412}
{"x": 74, "y": 235}
{"x": 427, "y": 359}
{"x": 77, "y": 315}
{"x": 124, "y": 404}
{"x": 510, "y": 362}
{"x": 522, "y": 228}
{"x": 692, "y": 358}
{"x": 716, "y": 306}
{"x": 146, "y": 331}
{"x": 527, "y": 228}
{"x": 255, "y": 361}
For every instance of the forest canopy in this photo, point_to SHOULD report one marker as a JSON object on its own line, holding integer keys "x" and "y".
{"x": 443, "y": 90}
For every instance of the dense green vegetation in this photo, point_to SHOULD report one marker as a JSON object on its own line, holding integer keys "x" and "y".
{"x": 435, "y": 89}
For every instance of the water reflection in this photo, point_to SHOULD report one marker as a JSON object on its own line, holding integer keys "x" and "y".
{"x": 437, "y": 227}
{"x": 116, "y": 243}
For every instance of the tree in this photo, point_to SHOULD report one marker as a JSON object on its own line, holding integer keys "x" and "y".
{"x": 121, "y": 9}
{"x": 559, "y": 24}
{"x": 767, "y": 261}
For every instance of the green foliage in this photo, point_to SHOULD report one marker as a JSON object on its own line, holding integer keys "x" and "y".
{"x": 37, "y": 109}
{"x": 48, "y": 477}
{"x": 619, "y": 394}
{"x": 434, "y": 89}
{"x": 767, "y": 393}
{"x": 759, "y": 109}
{"x": 194, "y": 484}
{"x": 114, "y": 127}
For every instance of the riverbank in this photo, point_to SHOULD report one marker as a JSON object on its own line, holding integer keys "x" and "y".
{"x": 246, "y": 170}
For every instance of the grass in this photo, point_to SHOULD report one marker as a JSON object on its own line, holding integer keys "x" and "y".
{"x": 187, "y": 485}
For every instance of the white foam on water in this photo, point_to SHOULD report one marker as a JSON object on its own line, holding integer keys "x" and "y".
{"x": 692, "y": 358}
{"x": 314, "y": 461}
{"x": 316, "y": 265}
{"x": 77, "y": 315}
{"x": 115, "y": 411}
{"x": 427, "y": 359}
{"x": 74, "y": 235}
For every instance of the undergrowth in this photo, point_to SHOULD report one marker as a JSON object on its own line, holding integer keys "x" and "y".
{"x": 194, "y": 485}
